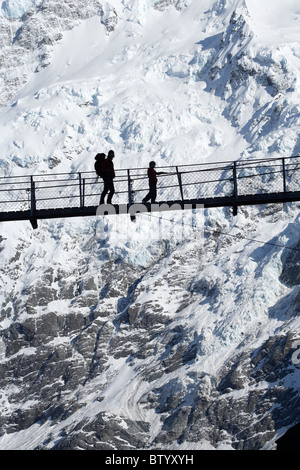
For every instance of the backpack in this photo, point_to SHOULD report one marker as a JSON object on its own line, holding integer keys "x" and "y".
{"x": 100, "y": 164}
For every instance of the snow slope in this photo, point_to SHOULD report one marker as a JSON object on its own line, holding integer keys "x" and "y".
{"x": 117, "y": 77}
{"x": 275, "y": 23}
{"x": 181, "y": 339}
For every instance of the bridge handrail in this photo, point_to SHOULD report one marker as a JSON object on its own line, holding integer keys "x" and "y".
{"x": 201, "y": 164}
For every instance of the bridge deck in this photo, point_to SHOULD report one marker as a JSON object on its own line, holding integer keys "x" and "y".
{"x": 183, "y": 187}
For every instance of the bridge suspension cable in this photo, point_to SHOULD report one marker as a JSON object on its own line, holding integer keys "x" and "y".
{"x": 232, "y": 235}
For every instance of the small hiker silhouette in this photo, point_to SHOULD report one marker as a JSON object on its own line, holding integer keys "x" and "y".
{"x": 152, "y": 175}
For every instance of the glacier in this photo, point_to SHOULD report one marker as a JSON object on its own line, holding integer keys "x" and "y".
{"x": 15, "y": 9}
{"x": 178, "y": 331}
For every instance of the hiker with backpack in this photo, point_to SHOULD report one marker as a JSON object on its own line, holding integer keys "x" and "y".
{"x": 105, "y": 169}
{"x": 152, "y": 175}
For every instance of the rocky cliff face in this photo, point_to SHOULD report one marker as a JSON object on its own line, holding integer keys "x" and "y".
{"x": 120, "y": 360}
{"x": 111, "y": 340}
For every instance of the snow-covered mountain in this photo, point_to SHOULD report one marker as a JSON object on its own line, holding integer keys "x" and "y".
{"x": 178, "y": 331}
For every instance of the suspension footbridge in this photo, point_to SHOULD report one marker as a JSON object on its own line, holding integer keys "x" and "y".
{"x": 219, "y": 184}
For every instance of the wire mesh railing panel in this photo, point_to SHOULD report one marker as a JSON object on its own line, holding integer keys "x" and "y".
{"x": 207, "y": 183}
{"x": 57, "y": 191}
{"x": 292, "y": 174}
{"x": 225, "y": 187}
{"x": 15, "y": 194}
{"x": 140, "y": 187}
{"x": 168, "y": 188}
{"x": 139, "y": 184}
{"x": 121, "y": 190}
{"x": 91, "y": 190}
{"x": 260, "y": 179}
{"x": 57, "y": 196}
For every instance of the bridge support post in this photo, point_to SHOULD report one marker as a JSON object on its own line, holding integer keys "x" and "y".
{"x": 180, "y": 182}
{"x": 235, "y": 190}
{"x": 83, "y": 193}
{"x": 284, "y": 175}
{"x": 130, "y": 195}
{"x": 32, "y": 218}
{"x": 81, "y": 190}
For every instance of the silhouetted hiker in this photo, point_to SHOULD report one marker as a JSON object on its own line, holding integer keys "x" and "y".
{"x": 152, "y": 175}
{"x": 108, "y": 176}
